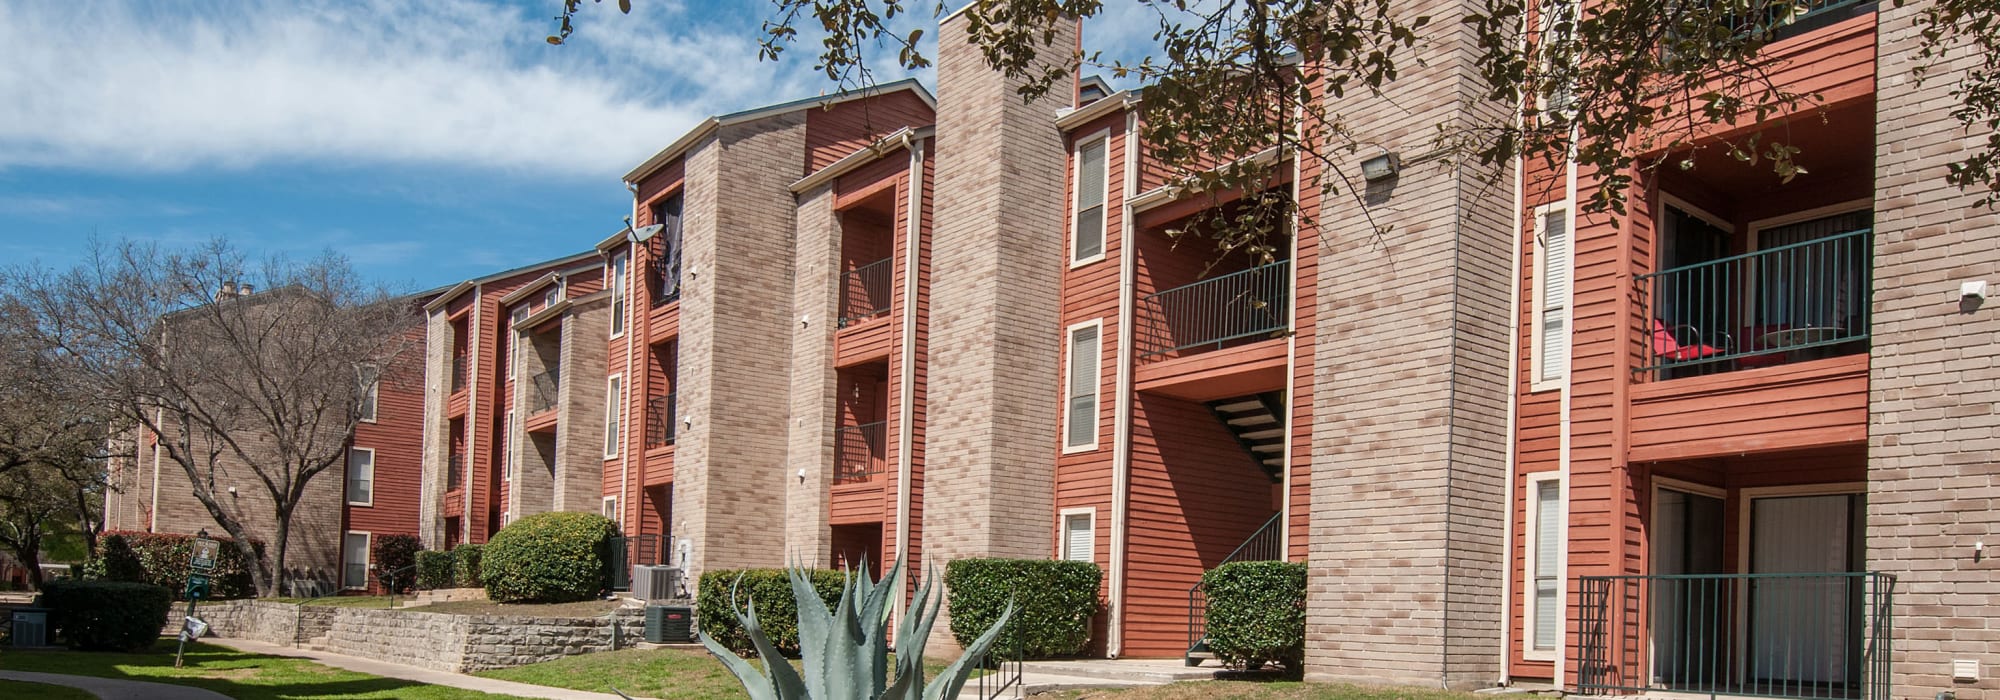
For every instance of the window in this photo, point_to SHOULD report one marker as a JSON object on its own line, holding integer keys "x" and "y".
{"x": 1087, "y": 217}
{"x": 1558, "y": 57}
{"x": 1545, "y": 542}
{"x": 610, "y": 508}
{"x": 1080, "y": 390}
{"x": 371, "y": 392}
{"x": 354, "y": 560}
{"x": 613, "y": 394}
{"x": 667, "y": 254}
{"x": 1079, "y": 540}
{"x": 554, "y": 294}
{"x": 1551, "y": 321}
{"x": 511, "y": 441}
{"x": 618, "y": 289}
{"x": 360, "y": 476}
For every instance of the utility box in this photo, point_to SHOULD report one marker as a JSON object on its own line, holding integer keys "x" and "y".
{"x": 31, "y": 627}
{"x": 669, "y": 624}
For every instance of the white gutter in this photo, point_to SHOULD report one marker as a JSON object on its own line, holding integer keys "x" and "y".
{"x": 625, "y": 402}
{"x": 1121, "y": 454}
{"x": 906, "y": 432}
{"x": 153, "y": 511}
{"x": 1291, "y": 373}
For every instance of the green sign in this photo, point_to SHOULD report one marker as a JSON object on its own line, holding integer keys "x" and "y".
{"x": 197, "y": 586}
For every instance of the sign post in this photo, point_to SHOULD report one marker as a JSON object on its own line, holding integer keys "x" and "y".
{"x": 201, "y": 563}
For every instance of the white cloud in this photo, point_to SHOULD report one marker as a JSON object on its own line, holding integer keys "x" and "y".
{"x": 177, "y": 86}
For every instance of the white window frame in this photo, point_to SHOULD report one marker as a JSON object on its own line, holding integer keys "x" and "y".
{"x": 1540, "y": 381}
{"x": 1076, "y": 199}
{"x": 555, "y": 293}
{"x": 614, "y": 432}
{"x": 349, "y": 476}
{"x": 514, "y": 318}
{"x": 1534, "y": 483}
{"x": 1572, "y": 13}
{"x": 610, "y": 510}
{"x": 1062, "y": 539}
{"x": 618, "y": 270}
{"x": 373, "y": 400}
{"x": 367, "y": 553}
{"x": 1096, "y": 386}
{"x": 512, "y": 442}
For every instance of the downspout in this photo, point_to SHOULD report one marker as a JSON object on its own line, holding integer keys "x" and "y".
{"x": 1121, "y": 453}
{"x": 1291, "y": 357}
{"x": 906, "y": 428}
{"x": 1513, "y": 411}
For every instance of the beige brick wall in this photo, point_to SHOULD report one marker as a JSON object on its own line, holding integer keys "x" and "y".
{"x": 437, "y": 437}
{"x": 815, "y": 298}
{"x": 731, "y": 483}
{"x": 1933, "y": 432}
{"x": 579, "y": 470}
{"x": 532, "y": 489}
{"x": 995, "y": 314}
{"x": 1408, "y": 450}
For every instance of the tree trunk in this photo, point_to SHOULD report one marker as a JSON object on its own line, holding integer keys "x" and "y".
{"x": 29, "y": 553}
{"x": 278, "y": 560}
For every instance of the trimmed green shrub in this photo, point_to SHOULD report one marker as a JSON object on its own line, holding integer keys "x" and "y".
{"x": 777, "y": 611}
{"x": 1257, "y": 613}
{"x": 435, "y": 570}
{"x": 1056, "y": 601}
{"x": 547, "y": 558}
{"x": 465, "y": 565}
{"x": 115, "y": 561}
{"x": 164, "y": 557}
{"x": 392, "y": 554}
{"x": 106, "y": 615}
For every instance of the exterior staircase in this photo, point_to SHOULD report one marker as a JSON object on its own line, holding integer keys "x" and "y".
{"x": 1262, "y": 545}
{"x": 1258, "y": 422}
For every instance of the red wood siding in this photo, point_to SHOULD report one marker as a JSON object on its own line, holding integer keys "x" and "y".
{"x": 833, "y": 133}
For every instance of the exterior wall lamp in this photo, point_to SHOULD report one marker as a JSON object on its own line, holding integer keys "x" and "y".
{"x": 1381, "y": 167}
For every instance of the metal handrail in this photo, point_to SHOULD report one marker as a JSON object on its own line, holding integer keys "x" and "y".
{"x": 544, "y": 390}
{"x": 1789, "y": 302}
{"x": 1004, "y": 670}
{"x": 660, "y": 421}
{"x": 860, "y": 452}
{"x": 1213, "y": 312}
{"x": 1262, "y": 545}
{"x": 864, "y": 291}
{"x": 1779, "y": 635}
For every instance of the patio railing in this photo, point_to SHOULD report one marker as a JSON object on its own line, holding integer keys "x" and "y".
{"x": 1249, "y": 304}
{"x": 1782, "y": 304}
{"x": 859, "y": 452}
{"x": 543, "y": 391}
{"x": 660, "y": 421}
{"x": 864, "y": 291}
{"x": 1816, "y": 635}
{"x": 458, "y": 365}
{"x": 454, "y": 468}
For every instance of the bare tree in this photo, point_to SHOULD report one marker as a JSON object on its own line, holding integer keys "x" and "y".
{"x": 264, "y": 387}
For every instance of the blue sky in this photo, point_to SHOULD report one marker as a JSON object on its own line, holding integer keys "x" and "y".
{"x": 428, "y": 140}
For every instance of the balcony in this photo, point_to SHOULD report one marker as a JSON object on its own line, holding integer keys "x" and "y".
{"x": 1789, "y": 303}
{"x": 664, "y": 284}
{"x": 543, "y": 391}
{"x": 1775, "y": 635}
{"x": 864, "y": 291}
{"x": 660, "y": 421}
{"x": 860, "y": 452}
{"x": 1243, "y": 306}
{"x": 1771, "y": 20}
{"x": 458, "y": 370}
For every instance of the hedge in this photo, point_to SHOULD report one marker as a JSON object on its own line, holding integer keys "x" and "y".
{"x": 777, "y": 610}
{"x": 465, "y": 565}
{"x": 392, "y": 554}
{"x": 1056, "y": 601}
{"x": 115, "y": 561}
{"x": 547, "y": 558}
{"x": 1257, "y": 613}
{"x": 106, "y": 615}
{"x": 164, "y": 557}
{"x": 435, "y": 570}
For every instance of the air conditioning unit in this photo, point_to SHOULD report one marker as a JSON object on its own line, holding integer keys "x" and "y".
{"x": 669, "y": 624}
{"x": 651, "y": 583}
{"x": 31, "y": 627}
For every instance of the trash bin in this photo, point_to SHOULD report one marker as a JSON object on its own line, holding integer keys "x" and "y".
{"x": 31, "y": 627}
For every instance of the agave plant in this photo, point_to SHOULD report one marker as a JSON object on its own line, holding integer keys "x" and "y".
{"x": 846, "y": 650}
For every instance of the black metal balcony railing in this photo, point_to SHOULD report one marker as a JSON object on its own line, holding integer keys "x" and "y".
{"x": 1815, "y": 635}
{"x": 1787, "y": 303}
{"x": 665, "y": 281}
{"x": 860, "y": 452}
{"x": 1213, "y": 312}
{"x": 623, "y": 552}
{"x": 864, "y": 291}
{"x": 542, "y": 392}
{"x": 458, "y": 369}
{"x": 660, "y": 421}
{"x": 454, "y": 471}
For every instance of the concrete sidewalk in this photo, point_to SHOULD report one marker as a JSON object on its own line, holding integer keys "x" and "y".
{"x": 116, "y": 689}
{"x": 414, "y": 674}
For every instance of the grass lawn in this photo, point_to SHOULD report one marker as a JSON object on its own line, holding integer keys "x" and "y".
{"x": 668, "y": 674}
{"x": 1259, "y": 690}
{"x": 21, "y": 689}
{"x": 232, "y": 673}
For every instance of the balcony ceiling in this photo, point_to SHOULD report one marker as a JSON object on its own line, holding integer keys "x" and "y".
{"x": 1836, "y": 149}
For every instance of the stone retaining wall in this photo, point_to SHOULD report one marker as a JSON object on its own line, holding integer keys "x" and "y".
{"x": 440, "y": 642}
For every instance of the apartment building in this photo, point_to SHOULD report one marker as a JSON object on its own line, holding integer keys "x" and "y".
{"x": 372, "y": 492}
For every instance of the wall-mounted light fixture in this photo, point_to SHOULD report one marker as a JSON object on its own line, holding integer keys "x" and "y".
{"x": 1381, "y": 167}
